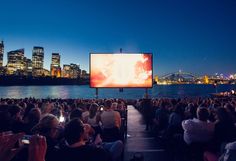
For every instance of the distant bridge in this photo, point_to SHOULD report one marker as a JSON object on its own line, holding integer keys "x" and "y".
{"x": 179, "y": 76}
{"x": 187, "y": 77}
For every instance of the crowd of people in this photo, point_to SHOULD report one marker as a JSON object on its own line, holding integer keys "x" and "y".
{"x": 62, "y": 130}
{"x": 193, "y": 129}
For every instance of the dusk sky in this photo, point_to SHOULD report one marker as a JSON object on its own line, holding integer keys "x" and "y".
{"x": 197, "y": 36}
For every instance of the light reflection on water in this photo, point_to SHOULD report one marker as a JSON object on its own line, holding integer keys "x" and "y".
{"x": 73, "y": 91}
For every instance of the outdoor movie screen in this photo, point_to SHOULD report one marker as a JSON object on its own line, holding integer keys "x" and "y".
{"x": 121, "y": 70}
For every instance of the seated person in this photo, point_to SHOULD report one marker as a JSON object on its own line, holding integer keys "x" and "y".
{"x": 16, "y": 123}
{"x": 94, "y": 118}
{"x": 111, "y": 122}
{"x": 228, "y": 155}
{"x": 109, "y": 117}
{"x": 198, "y": 130}
{"x": 31, "y": 120}
{"x": 225, "y": 130}
{"x": 76, "y": 113}
{"x": 5, "y": 119}
{"x": 230, "y": 152}
{"x": 37, "y": 147}
{"x": 49, "y": 127}
{"x": 161, "y": 117}
{"x": 76, "y": 136}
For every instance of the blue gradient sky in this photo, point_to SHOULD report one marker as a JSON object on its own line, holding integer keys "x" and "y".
{"x": 198, "y": 36}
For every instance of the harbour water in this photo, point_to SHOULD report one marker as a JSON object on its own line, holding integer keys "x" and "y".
{"x": 84, "y": 91}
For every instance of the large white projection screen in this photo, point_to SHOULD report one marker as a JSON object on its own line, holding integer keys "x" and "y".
{"x": 121, "y": 70}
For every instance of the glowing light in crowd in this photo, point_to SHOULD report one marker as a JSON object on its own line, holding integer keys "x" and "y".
{"x": 121, "y": 70}
{"x": 61, "y": 119}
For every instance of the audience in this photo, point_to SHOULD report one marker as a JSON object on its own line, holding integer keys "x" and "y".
{"x": 111, "y": 122}
{"x": 94, "y": 118}
{"x": 76, "y": 135}
{"x": 230, "y": 152}
{"x": 198, "y": 130}
{"x": 8, "y": 150}
{"x": 7, "y": 145}
{"x": 37, "y": 148}
{"x": 190, "y": 126}
{"x": 147, "y": 112}
{"x": 31, "y": 119}
{"x": 48, "y": 127}
{"x": 76, "y": 113}
{"x": 67, "y": 129}
{"x": 16, "y": 122}
{"x": 59, "y": 129}
{"x": 225, "y": 131}
{"x": 161, "y": 117}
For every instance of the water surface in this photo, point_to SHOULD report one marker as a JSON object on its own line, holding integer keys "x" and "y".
{"x": 73, "y": 91}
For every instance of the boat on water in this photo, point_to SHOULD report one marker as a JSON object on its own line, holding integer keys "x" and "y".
{"x": 232, "y": 93}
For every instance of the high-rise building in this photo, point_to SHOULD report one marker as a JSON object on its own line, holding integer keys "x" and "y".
{"x": 46, "y": 72}
{"x": 28, "y": 66}
{"x": 75, "y": 71}
{"x": 15, "y": 61}
{"x": 1, "y": 53}
{"x": 84, "y": 74}
{"x": 56, "y": 59}
{"x": 66, "y": 72}
{"x": 3, "y": 70}
{"x": 55, "y": 65}
{"x": 71, "y": 71}
{"x": 37, "y": 60}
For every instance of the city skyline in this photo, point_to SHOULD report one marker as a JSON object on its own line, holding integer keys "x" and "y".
{"x": 61, "y": 65}
{"x": 194, "y": 36}
{"x": 19, "y": 65}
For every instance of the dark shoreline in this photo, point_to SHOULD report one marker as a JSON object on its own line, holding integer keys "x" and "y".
{"x": 40, "y": 81}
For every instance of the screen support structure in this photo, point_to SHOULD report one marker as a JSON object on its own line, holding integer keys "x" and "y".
{"x": 146, "y": 93}
{"x": 96, "y": 94}
{"x": 121, "y": 89}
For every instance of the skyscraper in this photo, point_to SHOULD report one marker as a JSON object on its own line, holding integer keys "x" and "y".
{"x": 28, "y": 66}
{"x": 66, "y": 72}
{"x": 55, "y": 59}
{"x": 71, "y": 71}
{"x": 37, "y": 60}
{"x": 84, "y": 74}
{"x": 55, "y": 65}
{"x": 75, "y": 70}
{"x": 1, "y": 53}
{"x": 15, "y": 61}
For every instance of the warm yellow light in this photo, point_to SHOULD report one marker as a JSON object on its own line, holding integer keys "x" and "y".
{"x": 156, "y": 78}
{"x": 206, "y": 79}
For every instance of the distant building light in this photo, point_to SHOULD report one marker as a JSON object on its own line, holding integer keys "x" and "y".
{"x": 231, "y": 76}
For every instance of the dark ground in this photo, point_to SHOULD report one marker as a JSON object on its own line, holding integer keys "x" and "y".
{"x": 139, "y": 140}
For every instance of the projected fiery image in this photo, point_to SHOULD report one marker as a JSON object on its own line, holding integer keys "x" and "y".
{"x": 120, "y": 70}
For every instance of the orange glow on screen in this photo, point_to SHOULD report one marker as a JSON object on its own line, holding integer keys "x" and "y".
{"x": 120, "y": 70}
